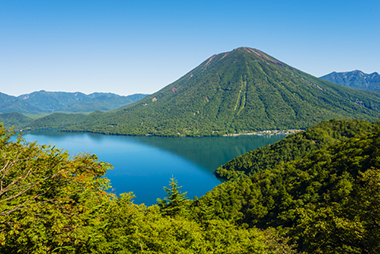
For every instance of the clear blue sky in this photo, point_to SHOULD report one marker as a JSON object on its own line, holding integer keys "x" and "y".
{"x": 127, "y": 47}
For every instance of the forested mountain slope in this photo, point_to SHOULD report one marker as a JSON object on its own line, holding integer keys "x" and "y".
{"x": 9, "y": 104}
{"x": 355, "y": 79}
{"x": 294, "y": 147}
{"x": 43, "y": 102}
{"x": 326, "y": 202}
{"x": 78, "y": 102}
{"x": 243, "y": 90}
{"x": 15, "y": 119}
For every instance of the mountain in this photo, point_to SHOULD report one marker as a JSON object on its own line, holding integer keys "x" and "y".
{"x": 103, "y": 102}
{"x": 10, "y": 104}
{"x": 243, "y": 90}
{"x": 355, "y": 79}
{"x": 42, "y": 102}
{"x": 77, "y": 102}
{"x": 15, "y": 119}
{"x": 55, "y": 120}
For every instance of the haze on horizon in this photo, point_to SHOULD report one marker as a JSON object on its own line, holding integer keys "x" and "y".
{"x": 128, "y": 47}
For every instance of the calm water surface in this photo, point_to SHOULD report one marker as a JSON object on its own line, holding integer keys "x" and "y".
{"x": 143, "y": 165}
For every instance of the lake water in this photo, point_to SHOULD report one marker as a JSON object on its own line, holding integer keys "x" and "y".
{"x": 144, "y": 165}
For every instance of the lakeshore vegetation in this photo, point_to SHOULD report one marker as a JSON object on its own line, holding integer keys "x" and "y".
{"x": 294, "y": 147}
{"x": 52, "y": 203}
{"x": 327, "y": 201}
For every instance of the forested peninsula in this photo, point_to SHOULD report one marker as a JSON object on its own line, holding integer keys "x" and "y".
{"x": 325, "y": 200}
{"x": 294, "y": 147}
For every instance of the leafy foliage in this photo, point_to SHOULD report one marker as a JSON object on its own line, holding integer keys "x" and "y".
{"x": 175, "y": 202}
{"x": 347, "y": 226}
{"x": 47, "y": 199}
{"x": 326, "y": 202}
{"x": 51, "y": 203}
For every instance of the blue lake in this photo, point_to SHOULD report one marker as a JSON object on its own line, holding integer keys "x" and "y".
{"x": 144, "y": 165}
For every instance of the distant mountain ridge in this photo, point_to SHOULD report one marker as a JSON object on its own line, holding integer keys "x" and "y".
{"x": 9, "y": 104}
{"x": 42, "y": 102}
{"x": 243, "y": 90}
{"x": 355, "y": 79}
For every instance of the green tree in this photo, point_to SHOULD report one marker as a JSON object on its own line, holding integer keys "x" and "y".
{"x": 349, "y": 226}
{"x": 47, "y": 199}
{"x": 175, "y": 202}
{"x": 326, "y": 202}
{"x": 52, "y": 203}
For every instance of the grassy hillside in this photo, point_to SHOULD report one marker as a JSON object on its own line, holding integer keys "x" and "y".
{"x": 243, "y": 90}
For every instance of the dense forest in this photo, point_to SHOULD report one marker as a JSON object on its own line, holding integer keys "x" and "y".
{"x": 52, "y": 203}
{"x": 15, "y": 119}
{"x": 294, "y": 147}
{"x": 325, "y": 202}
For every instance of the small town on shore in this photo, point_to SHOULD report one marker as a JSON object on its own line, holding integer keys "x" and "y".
{"x": 267, "y": 132}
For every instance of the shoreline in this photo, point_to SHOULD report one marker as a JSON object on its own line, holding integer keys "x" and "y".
{"x": 257, "y": 133}
{"x": 266, "y": 132}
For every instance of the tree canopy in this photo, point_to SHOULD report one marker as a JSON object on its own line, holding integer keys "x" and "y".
{"x": 294, "y": 147}
{"x": 53, "y": 203}
{"x": 327, "y": 201}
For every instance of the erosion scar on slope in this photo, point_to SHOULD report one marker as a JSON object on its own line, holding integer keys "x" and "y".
{"x": 241, "y": 98}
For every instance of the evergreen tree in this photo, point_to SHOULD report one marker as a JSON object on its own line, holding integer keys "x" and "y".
{"x": 175, "y": 202}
